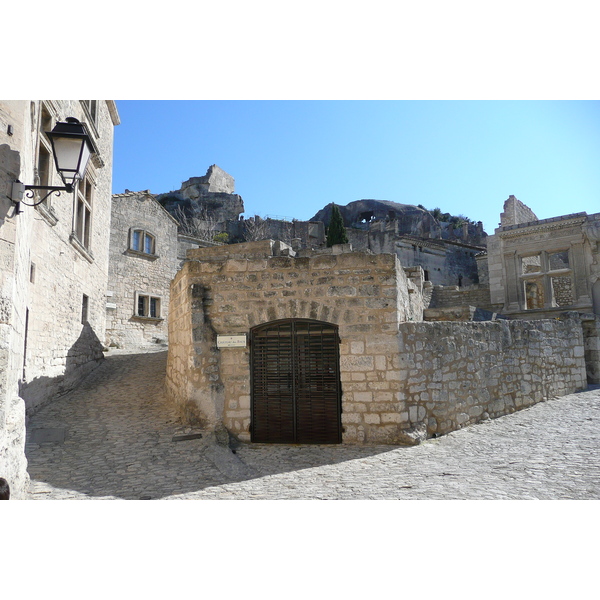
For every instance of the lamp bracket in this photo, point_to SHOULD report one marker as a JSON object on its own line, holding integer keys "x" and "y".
{"x": 20, "y": 189}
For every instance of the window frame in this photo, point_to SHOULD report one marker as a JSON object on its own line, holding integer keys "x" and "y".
{"x": 544, "y": 278}
{"x": 148, "y": 300}
{"x": 44, "y": 173}
{"x": 83, "y": 202}
{"x": 145, "y": 235}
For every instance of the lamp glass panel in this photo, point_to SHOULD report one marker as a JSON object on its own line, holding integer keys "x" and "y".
{"x": 67, "y": 152}
{"x": 85, "y": 156}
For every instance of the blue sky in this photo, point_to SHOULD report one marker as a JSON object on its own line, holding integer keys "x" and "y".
{"x": 291, "y": 158}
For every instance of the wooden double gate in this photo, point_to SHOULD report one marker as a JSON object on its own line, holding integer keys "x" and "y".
{"x": 296, "y": 391}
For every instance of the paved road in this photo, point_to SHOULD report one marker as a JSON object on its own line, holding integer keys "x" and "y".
{"x": 116, "y": 437}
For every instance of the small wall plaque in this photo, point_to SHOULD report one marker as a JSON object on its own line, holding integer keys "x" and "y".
{"x": 231, "y": 341}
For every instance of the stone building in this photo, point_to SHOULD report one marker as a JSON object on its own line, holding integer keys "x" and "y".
{"x": 53, "y": 266}
{"x": 143, "y": 260}
{"x": 330, "y": 347}
{"x": 146, "y": 250}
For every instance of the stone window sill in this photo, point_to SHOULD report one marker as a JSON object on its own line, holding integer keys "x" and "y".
{"x": 145, "y": 255}
{"x": 47, "y": 214}
{"x": 147, "y": 319}
{"x": 81, "y": 248}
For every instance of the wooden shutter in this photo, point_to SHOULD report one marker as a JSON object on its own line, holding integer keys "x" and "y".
{"x": 295, "y": 383}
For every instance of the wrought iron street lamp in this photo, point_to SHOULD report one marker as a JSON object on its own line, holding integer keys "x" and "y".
{"x": 72, "y": 148}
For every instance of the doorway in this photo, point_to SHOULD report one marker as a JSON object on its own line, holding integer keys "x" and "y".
{"x": 295, "y": 383}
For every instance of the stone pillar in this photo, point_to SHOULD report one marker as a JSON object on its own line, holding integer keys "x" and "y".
{"x": 580, "y": 274}
{"x": 513, "y": 293}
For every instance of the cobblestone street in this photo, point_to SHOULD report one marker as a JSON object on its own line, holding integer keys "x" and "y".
{"x": 115, "y": 437}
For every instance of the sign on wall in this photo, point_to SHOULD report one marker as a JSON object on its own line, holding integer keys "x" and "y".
{"x": 231, "y": 341}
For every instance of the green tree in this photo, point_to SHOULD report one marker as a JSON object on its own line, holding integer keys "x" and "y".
{"x": 336, "y": 232}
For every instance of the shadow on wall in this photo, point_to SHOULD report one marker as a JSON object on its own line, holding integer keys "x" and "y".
{"x": 10, "y": 168}
{"x": 82, "y": 358}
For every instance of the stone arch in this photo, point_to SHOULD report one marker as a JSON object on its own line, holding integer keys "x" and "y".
{"x": 265, "y": 312}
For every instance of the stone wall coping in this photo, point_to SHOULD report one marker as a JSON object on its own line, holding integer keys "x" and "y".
{"x": 552, "y": 223}
{"x": 436, "y": 243}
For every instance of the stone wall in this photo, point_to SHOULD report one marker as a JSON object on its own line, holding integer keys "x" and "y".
{"x": 133, "y": 273}
{"x": 515, "y": 213}
{"x": 591, "y": 339}
{"x": 455, "y": 374}
{"x": 231, "y": 289}
{"x": 444, "y": 262}
{"x": 449, "y": 296}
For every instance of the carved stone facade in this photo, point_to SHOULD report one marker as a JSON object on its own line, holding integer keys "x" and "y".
{"x": 540, "y": 268}
{"x": 53, "y": 267}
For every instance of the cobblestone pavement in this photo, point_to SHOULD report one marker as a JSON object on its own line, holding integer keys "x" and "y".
{"x": 116, "y": 437}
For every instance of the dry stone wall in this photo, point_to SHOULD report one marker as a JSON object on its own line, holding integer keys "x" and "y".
{"x": 454, "y": 374}
{"x": 591, "y": 339}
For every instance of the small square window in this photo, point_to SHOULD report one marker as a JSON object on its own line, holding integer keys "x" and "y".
{"x": 148, "y": 306}
{"x": 142, "y": 241}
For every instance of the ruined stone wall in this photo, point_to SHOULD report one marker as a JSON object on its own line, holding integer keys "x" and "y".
{"x": 215, "y": 293}
{"x": 208, "y": 197}
{"x": 454, "y": 374}
{"x": 133, "y": 273}
{"x": 215, "y": 180}
{"x": 449, "y": 296}
{"x": 445, "y": 263}
{"x": 515, "y": 213}
{"x": 543, "y": 267}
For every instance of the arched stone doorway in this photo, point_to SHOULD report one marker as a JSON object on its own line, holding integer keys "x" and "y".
{"x": 295, "y": 382}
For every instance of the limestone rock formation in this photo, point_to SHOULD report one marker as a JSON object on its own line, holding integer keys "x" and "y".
{"x": 369, "y": 214}
{"x": 210, "y": 197}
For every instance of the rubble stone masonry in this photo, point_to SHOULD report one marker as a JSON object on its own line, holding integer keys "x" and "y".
{"x": 366, "y": 295}
{"x": 455, "y": 374}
